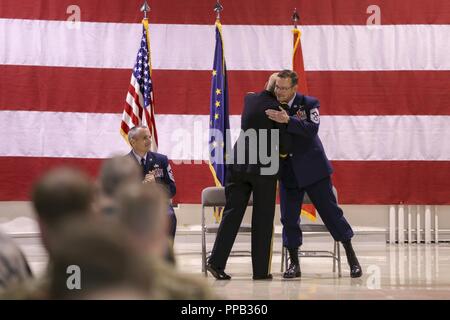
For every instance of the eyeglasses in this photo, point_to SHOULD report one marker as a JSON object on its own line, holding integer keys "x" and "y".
{"x": 282, "y": 88}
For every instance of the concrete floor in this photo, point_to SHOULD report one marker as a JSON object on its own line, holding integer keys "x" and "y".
{"x": 390, "y": 271}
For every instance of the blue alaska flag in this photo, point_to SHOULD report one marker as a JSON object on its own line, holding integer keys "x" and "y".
{"x": 219, "y": 122}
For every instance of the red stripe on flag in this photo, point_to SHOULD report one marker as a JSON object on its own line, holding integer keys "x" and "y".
{"x": 124, "y": 127}
{"x": 135, "y": 96}
{"x": 357, "y": 182}
{"x": 129, "y": 111}
{"x": 258, "y": 12}
{"x": 392, "y": 182}
{"x": 340, "y": 92}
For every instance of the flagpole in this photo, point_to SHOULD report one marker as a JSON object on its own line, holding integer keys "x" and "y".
{"x": 219, "y": 177}
{"x": 145, "y": 8}
{"x": 297, "y": 34}
{"x": 307, "y": 209}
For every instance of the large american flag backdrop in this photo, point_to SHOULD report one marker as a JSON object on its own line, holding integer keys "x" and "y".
{"x": 384, "y": 92}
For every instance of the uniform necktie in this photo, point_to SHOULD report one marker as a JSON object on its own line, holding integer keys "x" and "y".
{"x": 143, "y": 165}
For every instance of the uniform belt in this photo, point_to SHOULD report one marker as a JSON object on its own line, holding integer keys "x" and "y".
{"x": 285, "y": 156}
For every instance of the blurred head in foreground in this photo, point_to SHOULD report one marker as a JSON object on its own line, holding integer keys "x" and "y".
{"x": 61, "y": 194}
{"x": 114, "y": 173}
{"x": 142, "y": 210}
{"x": 94, "y": 261}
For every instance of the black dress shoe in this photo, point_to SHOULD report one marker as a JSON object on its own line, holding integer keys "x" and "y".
{"x": 355, "y": 267}
{"x": 293, "y": 271}
{"x": 264, "y": 277}
{"x": 355, "y": 271}
{"x": 218, "y": 274}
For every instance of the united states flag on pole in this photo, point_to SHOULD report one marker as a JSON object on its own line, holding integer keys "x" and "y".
{"x": 139, "y": 103}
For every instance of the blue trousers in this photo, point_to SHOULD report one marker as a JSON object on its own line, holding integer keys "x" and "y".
{"x": 321, "y": 195}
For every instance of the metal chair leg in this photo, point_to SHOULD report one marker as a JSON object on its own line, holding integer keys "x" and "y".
{"x": 334, "y": 257}
{"x": 203, "y": 243}
{"x": 339, "y": 259}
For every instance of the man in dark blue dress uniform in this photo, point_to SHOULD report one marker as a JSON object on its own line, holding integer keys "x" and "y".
{"x": 306, "y": 169}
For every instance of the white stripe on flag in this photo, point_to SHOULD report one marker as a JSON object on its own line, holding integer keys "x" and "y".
{"x": 127, "y": 119}
{"x": 184, "y": 137}
{"x": 247, "y": 47}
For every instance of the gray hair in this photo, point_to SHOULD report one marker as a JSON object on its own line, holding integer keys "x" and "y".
{"x": 133, "y": 131}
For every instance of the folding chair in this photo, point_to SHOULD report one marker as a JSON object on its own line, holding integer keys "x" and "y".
{"x": 214, "y": 197}
{"x": 314, "y": 229}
